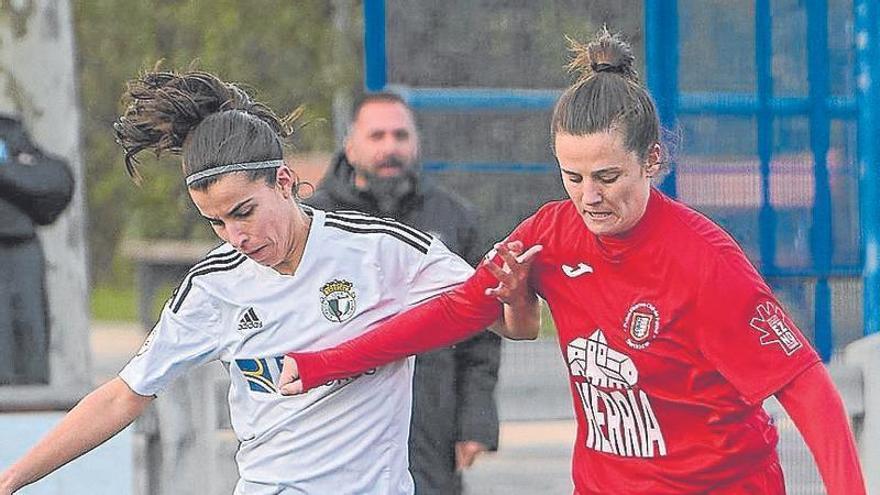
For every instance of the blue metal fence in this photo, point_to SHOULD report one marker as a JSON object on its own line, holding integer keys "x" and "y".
{"x": 819, "y": 107}
{"x": 867, "y": 45}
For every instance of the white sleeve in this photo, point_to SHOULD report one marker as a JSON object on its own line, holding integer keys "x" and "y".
{"x": 179, "y": 341}
{"x": 438, "y": 271}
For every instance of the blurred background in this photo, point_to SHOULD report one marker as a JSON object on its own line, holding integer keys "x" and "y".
{"x": 769, "y": 107}
{"x": 495, "y": 154}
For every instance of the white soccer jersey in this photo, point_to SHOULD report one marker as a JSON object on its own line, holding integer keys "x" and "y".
{"x": 348, "y": 436}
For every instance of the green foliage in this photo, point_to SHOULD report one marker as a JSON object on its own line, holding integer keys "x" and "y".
{"x": 283, "y": 50}
{"x": 109, "y": 303}
{"x": 119, "y": 302}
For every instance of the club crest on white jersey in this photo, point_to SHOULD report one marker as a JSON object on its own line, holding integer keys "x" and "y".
{"x": 620, "y": 418}
{"x": 338, "y": 300}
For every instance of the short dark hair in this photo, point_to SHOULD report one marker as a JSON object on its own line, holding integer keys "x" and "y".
{"x": 378, "y": 97}
{"x": 206, "y": 120}
{"x": 607, "y": 95}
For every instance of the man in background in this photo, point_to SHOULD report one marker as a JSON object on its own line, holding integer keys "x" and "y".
{"x": 34, "y": 190}
{"x": 454, "y": 413}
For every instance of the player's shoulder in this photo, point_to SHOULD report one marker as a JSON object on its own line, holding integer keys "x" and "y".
{"x": 694, "y": 230}
{"x": 700, "y": 247}
{"x": 217, "y": 271}
{"x": 552, "y": 220}
{"x": 359, "y": 229}
{"x": 554, "y": 210}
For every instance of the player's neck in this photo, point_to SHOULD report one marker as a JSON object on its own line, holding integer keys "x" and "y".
{"x": 301, "y": 225}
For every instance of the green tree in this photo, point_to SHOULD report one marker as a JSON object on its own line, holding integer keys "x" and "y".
{"x": 282, "y": 48}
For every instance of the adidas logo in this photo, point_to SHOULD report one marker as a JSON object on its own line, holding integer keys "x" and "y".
{"x": 249, "y": 320}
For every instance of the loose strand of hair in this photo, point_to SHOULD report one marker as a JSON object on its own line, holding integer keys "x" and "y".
{"x": 164, "y": 107}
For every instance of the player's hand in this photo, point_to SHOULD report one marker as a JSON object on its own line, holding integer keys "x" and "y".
{"x": 289, "y": 382}
{"x": 466, "y": 452}
{"x": 513, "y": 277}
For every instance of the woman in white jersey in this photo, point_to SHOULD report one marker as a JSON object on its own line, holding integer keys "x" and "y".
{"x": 286, "y": 277}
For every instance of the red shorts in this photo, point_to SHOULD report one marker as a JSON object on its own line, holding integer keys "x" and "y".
{"x": 765, "y": 481}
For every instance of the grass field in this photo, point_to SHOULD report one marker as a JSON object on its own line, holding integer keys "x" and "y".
{"x": 114, "y": 303}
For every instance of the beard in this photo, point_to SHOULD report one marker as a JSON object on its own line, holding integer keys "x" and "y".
{"x": 389, "y": 191}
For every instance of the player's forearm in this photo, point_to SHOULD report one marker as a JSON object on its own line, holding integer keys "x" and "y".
{"x": 830, "y": 438}
{"x": 96, "y": 418}
{"x": 522, "y": 319}
{"x": 437, "y": 323}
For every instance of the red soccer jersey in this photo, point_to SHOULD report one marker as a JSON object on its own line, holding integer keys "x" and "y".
{"x": 670, "y": 336}
{"x": 672, "y": 340}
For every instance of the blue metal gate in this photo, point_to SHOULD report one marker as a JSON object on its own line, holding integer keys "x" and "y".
{"x": 795, "y": 188}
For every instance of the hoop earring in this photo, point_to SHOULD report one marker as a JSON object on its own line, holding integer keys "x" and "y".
{"x": 297, "y": 195}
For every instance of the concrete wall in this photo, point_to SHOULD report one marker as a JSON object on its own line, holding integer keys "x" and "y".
{"x": 38, "y": 85}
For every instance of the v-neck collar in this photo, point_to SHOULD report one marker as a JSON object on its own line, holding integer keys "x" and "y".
{"x": 312, "y": 241}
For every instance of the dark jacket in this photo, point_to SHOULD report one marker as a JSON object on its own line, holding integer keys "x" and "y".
{"x": 34, "y": 190}
{"x": 453, "y": 389}
{"x": 33, "y": 193}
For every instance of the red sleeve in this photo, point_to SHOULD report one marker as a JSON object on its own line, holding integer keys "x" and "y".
{"x": 451, "y": 317}
{"x": 828, "y": 435}
{"x": 744, "y": 331}
{"x": 440, "y": 322}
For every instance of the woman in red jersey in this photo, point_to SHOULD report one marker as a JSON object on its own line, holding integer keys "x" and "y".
{"x": 671, "y": 338}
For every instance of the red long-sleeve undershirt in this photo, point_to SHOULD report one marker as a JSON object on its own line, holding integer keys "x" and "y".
{"x": 449, "y": 318}
{"x": 828, "y": 433}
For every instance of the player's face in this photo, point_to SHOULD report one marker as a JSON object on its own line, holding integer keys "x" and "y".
{"x": 258, "y": 220}
{"x": 383, "y": 140}
{"x": 607, "y": 183}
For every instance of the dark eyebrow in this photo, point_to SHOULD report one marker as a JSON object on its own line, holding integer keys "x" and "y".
{"x": 239, "y": 206}
{"x": 234, "y": 209}
{"x": 607, "y": 170}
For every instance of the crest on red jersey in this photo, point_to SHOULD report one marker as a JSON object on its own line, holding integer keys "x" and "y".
{"x": 642, "y": 324}
{"x": 775, "y": 327}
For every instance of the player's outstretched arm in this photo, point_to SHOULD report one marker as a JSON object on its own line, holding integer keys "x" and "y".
{"x": 828, "y": 436}
{"x": 449, "y": 318}
{"x": 100, "y": 415}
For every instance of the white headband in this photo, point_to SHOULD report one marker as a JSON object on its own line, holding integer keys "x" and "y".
{"x": 235, "y": 167}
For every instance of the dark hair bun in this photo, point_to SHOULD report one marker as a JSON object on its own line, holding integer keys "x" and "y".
{"x": 607, "y": 53}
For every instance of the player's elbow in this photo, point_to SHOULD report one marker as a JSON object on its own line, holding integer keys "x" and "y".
{"x": 521, "y": 322}
{"x": 516, "y": 332}
{"x": 530, "y": 335}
